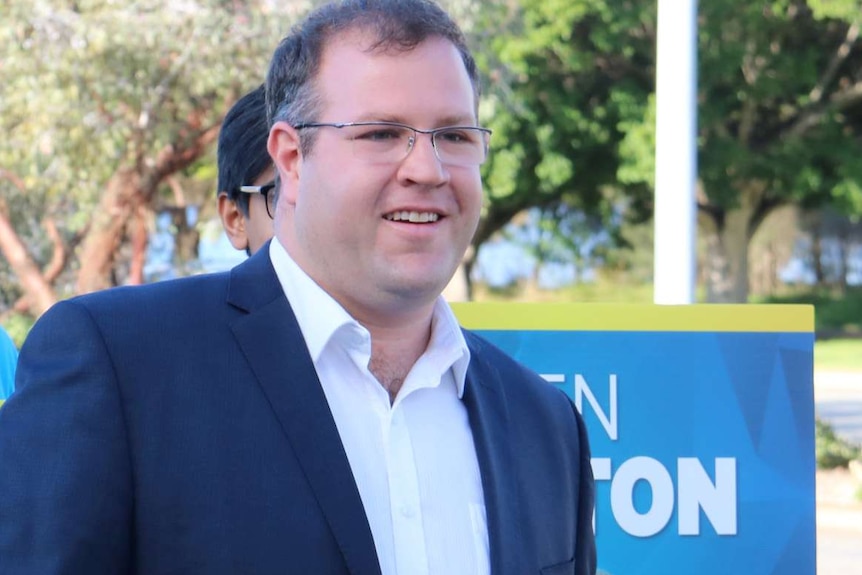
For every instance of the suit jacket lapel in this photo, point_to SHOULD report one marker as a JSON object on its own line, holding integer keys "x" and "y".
{"x": 485, "y": 399}
{"x": 270, "y": 338}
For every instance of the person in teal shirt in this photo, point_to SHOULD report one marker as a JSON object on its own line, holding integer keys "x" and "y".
{"x": 8, "y": 360}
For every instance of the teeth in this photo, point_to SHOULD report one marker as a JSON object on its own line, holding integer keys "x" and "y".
{"x": 412, "y": 217}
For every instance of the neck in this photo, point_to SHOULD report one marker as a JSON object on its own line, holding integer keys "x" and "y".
{"x": 395, "y": 347}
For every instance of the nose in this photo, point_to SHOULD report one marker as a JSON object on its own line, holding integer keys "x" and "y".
{"x": 421, "y": 165}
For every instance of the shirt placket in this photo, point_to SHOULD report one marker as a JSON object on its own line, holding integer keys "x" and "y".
{"x": 405, "y": 507}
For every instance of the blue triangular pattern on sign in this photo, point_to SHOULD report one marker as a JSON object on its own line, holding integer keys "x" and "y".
{"x": 750, "y": 374}
{"x": 779, "y": 445}
{"x": 799, "y": 378}
{"x": 798, "y": 554}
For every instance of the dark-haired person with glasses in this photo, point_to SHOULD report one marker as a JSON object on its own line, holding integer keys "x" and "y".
{"x": 246, "y": 196}
{"x": 317, "y": 409}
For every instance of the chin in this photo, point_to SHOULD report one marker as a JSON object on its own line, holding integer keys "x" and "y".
{"x": 425, "y": 289}
{"x": 417, "y": 278}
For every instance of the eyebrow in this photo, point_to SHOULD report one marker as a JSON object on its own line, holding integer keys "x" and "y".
{"x": 457, "y": 120}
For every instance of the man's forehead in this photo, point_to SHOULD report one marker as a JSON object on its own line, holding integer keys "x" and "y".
{"x": 363, "y": 48}
{"x": 369, "y": 41}
{"x": 360, "y": 78}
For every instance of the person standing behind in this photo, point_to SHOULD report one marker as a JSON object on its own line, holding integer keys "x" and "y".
{"x": 317, "y": 409}
{"x": 8, "y": 359}
{"x": 245, "y": 174}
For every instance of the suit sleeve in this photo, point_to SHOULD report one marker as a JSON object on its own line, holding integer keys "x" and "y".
{"x": 65, "y": 472}
{"x": 585, "y": 554}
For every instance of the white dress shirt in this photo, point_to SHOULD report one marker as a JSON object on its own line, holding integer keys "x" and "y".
{"x": 413, "y": 461}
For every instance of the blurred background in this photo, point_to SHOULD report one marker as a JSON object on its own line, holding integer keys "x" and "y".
{"x": 109, "y": 113}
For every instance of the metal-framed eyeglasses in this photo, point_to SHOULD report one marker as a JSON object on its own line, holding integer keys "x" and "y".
{"x": 391, "y": 142}
{"x": 268, "y": 193}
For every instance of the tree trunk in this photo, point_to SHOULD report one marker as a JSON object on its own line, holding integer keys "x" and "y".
{"x": 106, "y": 231}
{"x": 40, "y": 296}
{"x": 187, "y": 237}
{"x": 51, "y": 272}
{"x": 817, "y": 256}
{"x": 126, "y": 190}
{"x": 140, "y": 238}
{"x": 844, "y": 247}
{"x": 727, "y": 257}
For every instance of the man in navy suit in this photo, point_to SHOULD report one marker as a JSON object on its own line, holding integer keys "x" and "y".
{"x": 317, "y": 410}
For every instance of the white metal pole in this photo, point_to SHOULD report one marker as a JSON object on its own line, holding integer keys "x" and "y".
{"x": 676, "y": 152}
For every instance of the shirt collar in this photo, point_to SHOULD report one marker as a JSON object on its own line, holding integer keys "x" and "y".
{"x": 446, "y": 334}
{"x": 320, "y": 316}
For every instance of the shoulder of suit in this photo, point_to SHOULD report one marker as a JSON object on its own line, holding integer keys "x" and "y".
{"x": 192, "y": 290}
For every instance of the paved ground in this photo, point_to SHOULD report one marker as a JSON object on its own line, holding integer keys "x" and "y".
{"x": 838, "y": 401}
{"x": 839, "y": 523}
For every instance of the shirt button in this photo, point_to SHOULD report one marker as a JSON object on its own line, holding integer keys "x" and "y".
{"x": 408, "y": 511}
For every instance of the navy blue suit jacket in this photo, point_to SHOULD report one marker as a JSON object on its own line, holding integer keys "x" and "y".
{"x": 180, "y": 428}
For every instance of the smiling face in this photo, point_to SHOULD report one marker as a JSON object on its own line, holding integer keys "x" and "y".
{"x": 381, "y": 238}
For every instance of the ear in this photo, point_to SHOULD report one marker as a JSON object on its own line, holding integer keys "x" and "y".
{"x": 233, "y": 221}
{"x": 283, "y": 147}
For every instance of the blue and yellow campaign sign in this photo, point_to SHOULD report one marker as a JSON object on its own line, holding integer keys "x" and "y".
{"x": 701, "y": 422}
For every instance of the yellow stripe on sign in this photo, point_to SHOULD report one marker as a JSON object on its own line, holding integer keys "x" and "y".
{"x": 781, "y": 318}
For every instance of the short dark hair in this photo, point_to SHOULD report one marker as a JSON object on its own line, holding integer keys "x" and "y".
{"x": 242, "y": 153}
{"x": 399, "y": 25}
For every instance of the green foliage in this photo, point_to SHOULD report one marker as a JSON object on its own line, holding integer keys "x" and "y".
{"x": 571, "y": 101}
{"x": 18, "y": 326}
{"x": 770, "y": 111}
{"x": 565, "y": 79}
{"x": 633, "y": 263}
{"x": 832, "y": 451}
{"x": 840, "y": 9}
{"x": 834, "y": 314}
{"x": 637, "y": 149}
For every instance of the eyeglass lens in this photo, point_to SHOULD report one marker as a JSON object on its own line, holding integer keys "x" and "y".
{"x": 270, "y": 202}
{"x": 384, "y": 143}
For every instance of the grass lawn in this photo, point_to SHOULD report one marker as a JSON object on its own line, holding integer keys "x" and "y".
{"x": 838, "y": 355}
{"x": 598, "y": 292}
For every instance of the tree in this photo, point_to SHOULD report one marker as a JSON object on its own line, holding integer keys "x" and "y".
{"x": 109, "y": 111}
{"x": 780, "y": 113}
{"x": 101, "y": 121}
{"x": 103, "y": 105}
{"x": 565, "y": 78}
{"x": 572, "y": 106}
